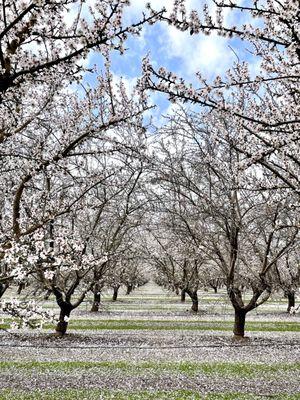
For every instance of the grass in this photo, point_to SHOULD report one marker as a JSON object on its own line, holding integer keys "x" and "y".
{"x": 186, "y": 370}
{"x": 179, "y": 325}
{"x": 95, "y": 394}
{"x": 241, "y": 370}
{"x": 153, "y": 325}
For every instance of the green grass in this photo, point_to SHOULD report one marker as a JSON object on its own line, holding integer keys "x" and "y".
{"x": 190, "y": 325}
{"x": 153, "y": 325}
{"x": 95, "y": 394}
{"x": 187, "y": 368}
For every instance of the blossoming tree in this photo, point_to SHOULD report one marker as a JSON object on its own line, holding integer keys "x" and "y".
{"x": 48, "y": 131}
{"x": 242, "y": 231}
{"x": 263, "y": 105}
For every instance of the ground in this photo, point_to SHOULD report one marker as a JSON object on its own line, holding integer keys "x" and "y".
{"x": 150, "y": 346}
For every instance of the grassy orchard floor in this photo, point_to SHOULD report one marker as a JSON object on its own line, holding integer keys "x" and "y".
{"x": 148, "y": 346}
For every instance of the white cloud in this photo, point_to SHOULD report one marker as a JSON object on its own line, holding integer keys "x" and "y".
{"x": 207, "y": 54}
{"x": 210, "y": 55}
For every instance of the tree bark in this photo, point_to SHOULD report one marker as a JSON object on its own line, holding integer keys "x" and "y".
{"x": 182, "y": 299}
{"x": 239, "y": 322}
{"x": 115, "y": 294}
{"x": 97, "y": 298}
{"x": 291, "y": 299}
{"x": 62, "y": 325}
{"x": 20, "y": 288}
{"x": 3, "y": 288}
{"x": 129, "y": 289}
{"x": 195, "y": 303}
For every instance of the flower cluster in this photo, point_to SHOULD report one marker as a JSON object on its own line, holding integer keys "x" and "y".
{"x": 26, "y": 314}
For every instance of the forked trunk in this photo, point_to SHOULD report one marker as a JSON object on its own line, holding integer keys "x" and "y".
{"x": 239, "y": 323}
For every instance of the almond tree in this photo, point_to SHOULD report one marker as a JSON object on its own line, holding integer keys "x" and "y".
{"x": 116, "y": 223}
{"x": 136, "y": 273}
{"x": 44, "y": 45}
{"x": 175, "y": 259}
{"x": 129, "y": 268}
{"x": 286, "y": 277}
{"x": 243, "y": 232}
{"x": 86, "y": 244}
{"x": 47, "y": 131}
{"x": 263, "y": 107}
{"x": 70, "y": 263}
{"x": 39, "y": 170}
{"x": 52, "y": 173}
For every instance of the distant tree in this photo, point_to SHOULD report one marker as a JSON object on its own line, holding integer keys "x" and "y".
{"x": 176, "y": 264}
{"x": 286, "y": 277}
{"x": 116, "y": 222}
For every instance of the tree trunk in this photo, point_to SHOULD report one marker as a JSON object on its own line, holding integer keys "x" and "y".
{"x": 183, "y": 296}
{"x": 115, "y": 294}
{"x": 129, "y": 289}
{"x": 62, "y": 325}
{"x": 291, "y": 300}
{"x": 213, "y": 286}
{"x": 20, "y": 288}
{"x": 97, "y": 298}
{"x": 3, "y": 288}
{"x": 195, "y": 303}
{"x": 239, "y": 322}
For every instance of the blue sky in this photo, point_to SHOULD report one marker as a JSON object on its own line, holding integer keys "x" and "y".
{"x": 176, "y": 51}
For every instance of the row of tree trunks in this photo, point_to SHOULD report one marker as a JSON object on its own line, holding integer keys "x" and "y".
{"x": 239, "y": 311}
{"x": 97, "y": 297}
